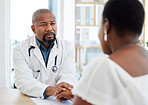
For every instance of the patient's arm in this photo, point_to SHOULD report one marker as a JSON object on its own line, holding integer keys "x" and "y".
{"x": 78, "y": 101}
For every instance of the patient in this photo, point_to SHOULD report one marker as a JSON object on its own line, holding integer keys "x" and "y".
{"x": 121, "y": 78}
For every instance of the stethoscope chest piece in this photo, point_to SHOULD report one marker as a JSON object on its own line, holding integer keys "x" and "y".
{"x": 54, "y": 68}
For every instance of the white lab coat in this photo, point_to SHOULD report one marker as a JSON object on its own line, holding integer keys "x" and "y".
{"x": 34, "y": 83}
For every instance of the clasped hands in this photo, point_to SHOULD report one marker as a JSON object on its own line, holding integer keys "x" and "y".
{"x": 62, "y": 91}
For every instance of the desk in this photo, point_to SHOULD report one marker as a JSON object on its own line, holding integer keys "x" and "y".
{"x": 13, "y": 97}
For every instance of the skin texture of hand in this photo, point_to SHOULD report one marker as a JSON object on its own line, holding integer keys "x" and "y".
{"x": 61, "y": 87}
{"x": 54, "y": 91}
{"x": 64, "y": 95}
{"x": 65, "y": 85}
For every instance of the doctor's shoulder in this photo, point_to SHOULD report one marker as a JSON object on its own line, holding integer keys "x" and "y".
{"x": 22, "y": 46}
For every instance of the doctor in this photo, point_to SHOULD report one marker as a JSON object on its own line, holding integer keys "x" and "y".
{"x": 43, "y": 64}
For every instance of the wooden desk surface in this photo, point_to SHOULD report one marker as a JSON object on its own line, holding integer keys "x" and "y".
{"x": 13, "y": 97}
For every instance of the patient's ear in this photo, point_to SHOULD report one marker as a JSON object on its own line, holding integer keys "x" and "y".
{"x": 33, "y": 29}
{"x": 107, "y": 25}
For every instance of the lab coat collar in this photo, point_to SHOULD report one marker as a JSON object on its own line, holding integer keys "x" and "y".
{"x": 54, "y": 52}
{"x": 33, "y": 42}
{"x": 36, "y": 52}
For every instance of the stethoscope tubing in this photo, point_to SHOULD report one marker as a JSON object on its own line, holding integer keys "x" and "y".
{"x": 54, "y": 68}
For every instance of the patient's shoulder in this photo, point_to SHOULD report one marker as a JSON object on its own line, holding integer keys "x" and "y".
{"x": 134, "y": 61}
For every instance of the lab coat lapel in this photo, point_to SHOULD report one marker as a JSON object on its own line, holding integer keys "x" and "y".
{"x": 39, "y": 56}
{"x": 53, "y": 53}
{"x": 36, "y": 52}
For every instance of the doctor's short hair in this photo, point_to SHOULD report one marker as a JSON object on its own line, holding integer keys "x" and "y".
{"x": 38, "y": 12}
{"x": 126, "y": 16}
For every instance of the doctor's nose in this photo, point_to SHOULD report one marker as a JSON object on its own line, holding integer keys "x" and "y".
{"x": 49, "y": 28}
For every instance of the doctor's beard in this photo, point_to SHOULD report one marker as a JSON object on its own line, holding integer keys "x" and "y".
{"x": 49, "y": 41}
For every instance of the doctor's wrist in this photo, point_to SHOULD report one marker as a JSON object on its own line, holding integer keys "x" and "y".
{"x": 48, "y": 91}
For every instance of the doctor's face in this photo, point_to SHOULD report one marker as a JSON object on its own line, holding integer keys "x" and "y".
{"x": 45, "y": 28}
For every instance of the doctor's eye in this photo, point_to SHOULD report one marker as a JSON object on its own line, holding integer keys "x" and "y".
{"x": 43, "y": 25}
{"x": 52, "y": 23}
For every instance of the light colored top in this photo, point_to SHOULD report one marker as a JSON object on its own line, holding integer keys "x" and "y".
{"x": 104, "y": 82}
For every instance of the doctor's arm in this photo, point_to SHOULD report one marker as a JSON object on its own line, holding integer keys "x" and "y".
{"x": 24, "y": 79}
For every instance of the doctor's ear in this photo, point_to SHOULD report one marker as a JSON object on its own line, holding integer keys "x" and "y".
{"x": 33, "y": 29}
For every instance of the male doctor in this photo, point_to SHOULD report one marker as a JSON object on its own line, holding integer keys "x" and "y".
{"x": 43, "y": 64}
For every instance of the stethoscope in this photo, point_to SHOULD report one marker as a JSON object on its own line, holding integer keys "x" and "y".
{"x": 53, "y": 68}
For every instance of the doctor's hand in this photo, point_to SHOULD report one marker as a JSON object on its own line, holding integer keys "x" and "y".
{"x": 61, "y": 87}
{"x": 65, "y": 95}
{"x": 65, "y": 85}
{"x": 54, "y": 91}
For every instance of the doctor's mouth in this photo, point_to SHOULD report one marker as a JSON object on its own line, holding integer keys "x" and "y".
{"x": 50, "y": 35}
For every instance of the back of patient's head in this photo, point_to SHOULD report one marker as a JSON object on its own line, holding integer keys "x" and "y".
{"x": 126, "y": 16}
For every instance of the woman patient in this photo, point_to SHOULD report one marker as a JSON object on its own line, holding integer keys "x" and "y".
{"x": 121, "y": 78}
